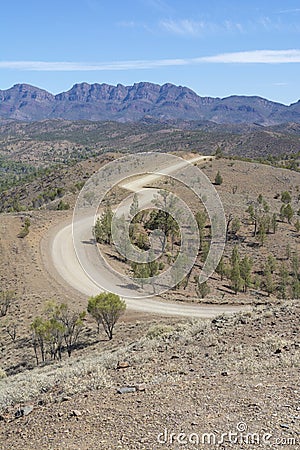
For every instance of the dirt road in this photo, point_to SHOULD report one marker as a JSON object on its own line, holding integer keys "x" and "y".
{"x": 66, "y": 263}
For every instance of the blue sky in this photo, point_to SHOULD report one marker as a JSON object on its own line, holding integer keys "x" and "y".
{"x": 217, "y": 47}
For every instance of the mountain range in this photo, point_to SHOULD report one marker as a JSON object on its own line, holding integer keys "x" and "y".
{"x": 103, "y": 102}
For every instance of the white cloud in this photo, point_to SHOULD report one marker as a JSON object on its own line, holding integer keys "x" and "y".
{"x": 159, "y": 5}
{"x": 183, "y": 27}
{"x": 127, "y": 24}
{"x": 200, "y": 28}
{"x": 188, "y": 27}
{"x": 56, "y": 66}
{"x": 254, "y": 57}
{"x": 288, "y": 11}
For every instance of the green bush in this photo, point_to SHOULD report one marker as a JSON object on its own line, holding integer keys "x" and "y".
{"x": 218, "y": 179}
{"x": 25, "y": 228}
{"x": 106, "y": 308}
{"x": 62, "y": 206}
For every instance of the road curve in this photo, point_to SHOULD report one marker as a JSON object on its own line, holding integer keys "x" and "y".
{"x": 66, "y": 263}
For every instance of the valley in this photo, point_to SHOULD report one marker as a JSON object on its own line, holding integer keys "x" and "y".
{"x": 192, "y": 342}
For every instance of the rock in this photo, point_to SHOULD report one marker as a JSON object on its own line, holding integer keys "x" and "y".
{"x": 27, "y": 410}
{"x": 126, "y": 390}
{"x": 123, "y": 365}
{"x": 285, "y": 426}
{"x": 18, "y": 413}
{"x": 23, "y": 411}
{"x": 76, "y": 413}
{"x": 140, "y": 387}
{"x": 224, "y": 374}
{"x": 65, "y": 399}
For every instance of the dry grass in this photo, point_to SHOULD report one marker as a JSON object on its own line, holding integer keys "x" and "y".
{"x": 222, "y": 338}
{"x": 65, "y": 378}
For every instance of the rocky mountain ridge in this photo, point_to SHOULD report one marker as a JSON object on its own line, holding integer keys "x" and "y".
{"x": 99, "y": 102}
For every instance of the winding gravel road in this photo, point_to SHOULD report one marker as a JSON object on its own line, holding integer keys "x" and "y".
{"x": 66, "y": 263}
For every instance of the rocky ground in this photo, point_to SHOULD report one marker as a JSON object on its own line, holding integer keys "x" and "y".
{"x": 235, "y": 374}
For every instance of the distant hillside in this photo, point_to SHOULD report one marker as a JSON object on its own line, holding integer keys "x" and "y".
{"x": 58, "y": 141}
{"x": 32, "y": 151}
{"x": 103, "y": 102}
